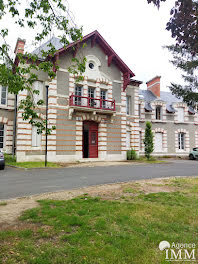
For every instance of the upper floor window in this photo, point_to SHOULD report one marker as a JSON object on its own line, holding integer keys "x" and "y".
{"x": 36, "y": 138}
{"x": 128, "y": 105}
{"x": 180, "y": 112}
{"x": 3, "y": 95}
{"x": 78, "y": 94}
{"x": 1, "y": 135}
{"x": 38, "y": 86}
{"x": 158, "y": 113}
{"x": 91, "y": 94}
{"x": 103, "y": 96}
{"x": 139, "y": 110}
{"x": 181, "y": 140}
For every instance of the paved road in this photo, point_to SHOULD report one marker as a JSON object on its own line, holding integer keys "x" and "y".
{"x": 18, "y": 183}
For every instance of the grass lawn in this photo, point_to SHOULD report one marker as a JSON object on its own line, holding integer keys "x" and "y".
{"x": 9, "y": 160}
{"x": 94, "y": 230}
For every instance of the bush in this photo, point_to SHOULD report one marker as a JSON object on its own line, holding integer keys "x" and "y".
{"x": 9, "y": 158}
{"x": 131, "y": 154}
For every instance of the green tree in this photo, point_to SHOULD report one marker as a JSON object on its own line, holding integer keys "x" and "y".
{"x": 19, "y": 72}
{"x": 183, "y": 25}
{"x": 148, "y": 140}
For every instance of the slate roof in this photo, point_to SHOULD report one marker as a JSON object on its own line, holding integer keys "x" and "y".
{"x": 167, "y": 97}
{"x": 55, "y": 42}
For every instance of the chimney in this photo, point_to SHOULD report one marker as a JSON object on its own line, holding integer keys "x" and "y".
{"x": 154, "y": 85}
{"x": 19, "y": 46}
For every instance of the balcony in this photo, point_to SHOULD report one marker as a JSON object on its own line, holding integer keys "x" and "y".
{"x": 88, "y": 104}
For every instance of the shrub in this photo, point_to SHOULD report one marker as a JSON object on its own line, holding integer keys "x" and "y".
{"x": 148, "y": 140}
{"x": 131, "y": 154}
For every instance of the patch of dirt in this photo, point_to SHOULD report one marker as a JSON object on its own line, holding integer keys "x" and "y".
{"x": 9, "y": 213}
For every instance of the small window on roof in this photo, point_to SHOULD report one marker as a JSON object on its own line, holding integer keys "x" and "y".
{"x": 158, "y": 112}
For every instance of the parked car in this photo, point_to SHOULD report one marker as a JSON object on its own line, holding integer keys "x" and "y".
{"x": 2, "y": 161}
{"x": 193, "y": 154}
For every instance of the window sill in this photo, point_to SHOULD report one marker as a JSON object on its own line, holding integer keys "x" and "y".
{"x": 181, "y": 122}
{"x": 158, "y": 121}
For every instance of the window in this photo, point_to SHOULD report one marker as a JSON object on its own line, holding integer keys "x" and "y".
{"x": 158, "y": 142}
{"x": 1, "y": 136}
{"x": 128, "y": 138}
{"x": 91, "y": 94}
{"x": 181, "y": 141}
{"x": 36, "y": 138}
{"x": 91, "y": 65}
{"x": 38, "y": 86}
{"x": 103, "y": 94}
{"x": 140, "y": 140}
{"x": 3, "y": 95}
{"x": 139, "y": 110}
{"x": 78, "y": 95}
{"x": 180, "y": 111}
{"x": 158, "y": 114}
{"x": 128, "y": 104}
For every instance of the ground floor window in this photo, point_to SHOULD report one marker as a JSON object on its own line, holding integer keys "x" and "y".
{"x": 36, "y": 138}
{"x": 158, "y": 142}
{"x": 140, "y": 140}
{"x": 181, "y": 140}
{"x": 1, "y": 135}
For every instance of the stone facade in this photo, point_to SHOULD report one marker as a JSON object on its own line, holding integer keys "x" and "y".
{"x": 119, "y": 128}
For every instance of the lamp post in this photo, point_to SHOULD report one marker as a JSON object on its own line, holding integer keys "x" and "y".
{"x": 46, "y": 128}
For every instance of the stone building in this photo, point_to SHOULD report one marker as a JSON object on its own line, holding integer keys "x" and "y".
{"x": 100, "y": 117}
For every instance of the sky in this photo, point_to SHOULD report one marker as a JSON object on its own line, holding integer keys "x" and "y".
{"x": 134, "y": 29}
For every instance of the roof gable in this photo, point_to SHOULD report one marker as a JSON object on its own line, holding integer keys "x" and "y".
{"x": 95, "y": 38}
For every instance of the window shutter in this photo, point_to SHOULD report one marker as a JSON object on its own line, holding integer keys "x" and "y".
{"x": 181, "y": 114}
{"x": 36, "y": 139}
{"x": 38, "y": 85}
{"x": 34, "y": 132}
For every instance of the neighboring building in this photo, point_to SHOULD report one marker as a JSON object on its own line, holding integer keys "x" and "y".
{"x": 175, "y": 125}
{"x": 100, "y": 117}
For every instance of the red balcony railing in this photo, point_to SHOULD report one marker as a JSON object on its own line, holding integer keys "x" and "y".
{"x": 95, "y": 103}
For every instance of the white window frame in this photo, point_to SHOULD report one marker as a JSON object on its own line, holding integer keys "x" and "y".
{"x": 36, "y": 138}
{"x": 1, "y": 96}
{"x": 158, "y": 115}
{"x": 78, "y": 90}
{"x": 181, "y": 145}
{"x": 103, "y": 96}
{"x": 3, "y": 136}
{"x": 38, "y": 85}
{"x": 128, "y": 105}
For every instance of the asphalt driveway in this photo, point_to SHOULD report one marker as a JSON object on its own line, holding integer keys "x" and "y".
{"x": 17, "y": 183}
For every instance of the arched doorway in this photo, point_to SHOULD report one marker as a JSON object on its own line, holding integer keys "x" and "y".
{"x": 90, "y": 139}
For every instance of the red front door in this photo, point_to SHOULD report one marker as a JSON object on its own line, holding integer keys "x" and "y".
{"x": 90, "y": 139}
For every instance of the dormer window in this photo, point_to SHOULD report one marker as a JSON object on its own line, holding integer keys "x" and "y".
{"x": 158, "y": 113}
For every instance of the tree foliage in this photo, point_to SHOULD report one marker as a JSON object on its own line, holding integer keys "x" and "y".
{"x": 183, "y": 25}
{"x": 148, "y": 140}
{"x": 18, "y": 73}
